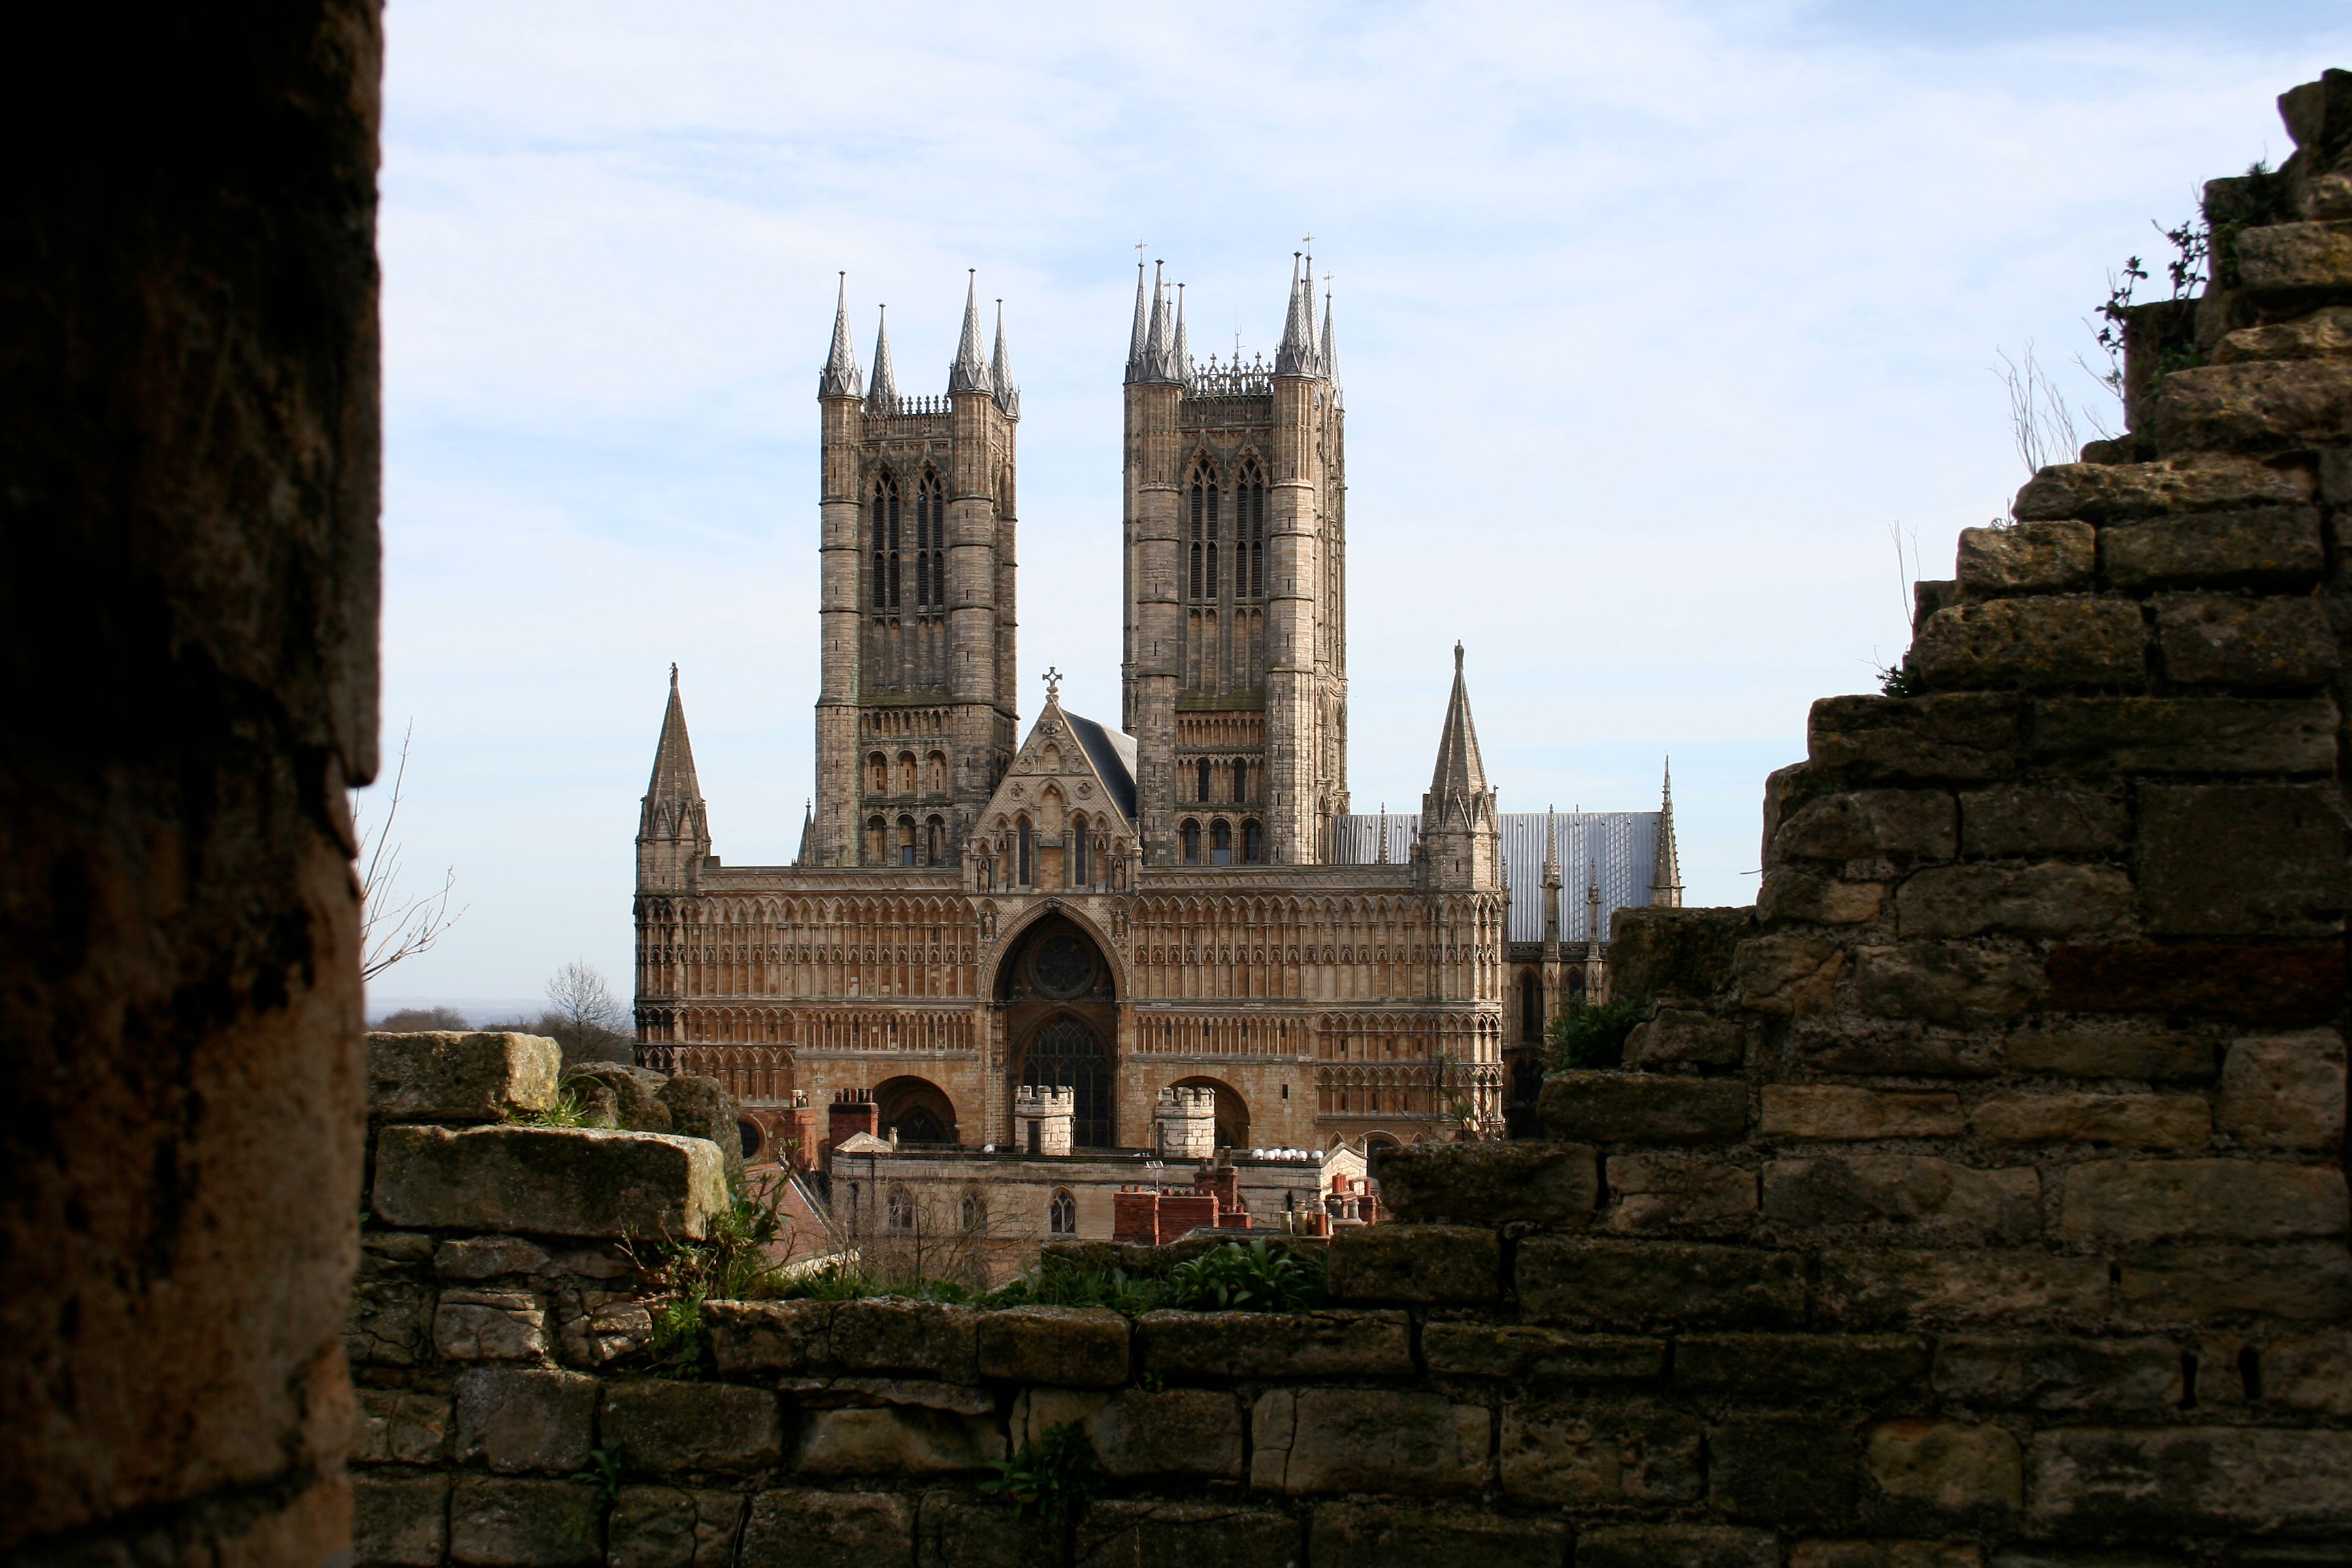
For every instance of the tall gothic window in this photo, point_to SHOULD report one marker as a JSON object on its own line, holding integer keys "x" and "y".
{"x": 1205, "y": 508}
{"x": 906, "y": 841}
{"x": 1201, "y": 774}
{"x": 1221, "y": 843}
{"x": 1249, "y": 531}
{"x": 1022, "y": 880}
{"x": 1078, "y": 853}
{"x": 883, "y": 530}
{"x": 1062, "y": 1214}
{"x": 1253, "y": 844}
{"x": 931, "y": 542}
{"x": 1241, "y": 781}
{"x": 1191, "y": 835}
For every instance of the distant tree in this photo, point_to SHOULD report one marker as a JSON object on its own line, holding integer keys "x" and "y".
{"x": 584, "y": 1017}
{"x": 414, "y": 1020}
{"x": 391, "y": 927}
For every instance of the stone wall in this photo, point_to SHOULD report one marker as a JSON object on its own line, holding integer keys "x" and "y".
{"x": 1976, "y": 1198}
{"x": 188, "y": 493}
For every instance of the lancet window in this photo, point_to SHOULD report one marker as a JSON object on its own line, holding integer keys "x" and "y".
{"x": 1190, "y": 835}
{"x": 1249, "y": 532}
{"x": 1253, "y": 843}
{"x": 1062, "y": 1214}
{"x": 1206, "y": 511}
{"x": 882, "y": 530}
{"x": 930, "y": 543}
{"x": 1201, "y": 772}
{"x": 1221, "y": 843}
{"x": 1078, "y": 853}
{"x": 1021, "y": 861}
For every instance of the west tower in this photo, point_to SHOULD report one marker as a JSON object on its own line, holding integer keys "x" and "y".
{"x": 1235, "y": 678}
{"x": 915, "y": 708}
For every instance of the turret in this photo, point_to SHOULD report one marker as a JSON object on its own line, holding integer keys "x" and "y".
{"x": 840, "y": 377}
{"x": 969, "y": 371}
{"x": 673, "y": 831}
{"x": 883, "y": 398}
{"x": 1044, "y": 1119}
{"x": 1460, "y": 827}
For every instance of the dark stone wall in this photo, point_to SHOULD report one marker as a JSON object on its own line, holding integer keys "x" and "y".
{"x": 188, "y": 496}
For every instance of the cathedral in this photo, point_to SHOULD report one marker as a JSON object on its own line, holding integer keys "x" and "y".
{"x": 1184, "y": 900}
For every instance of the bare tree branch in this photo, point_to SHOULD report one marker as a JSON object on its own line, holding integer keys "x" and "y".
{"x": 393, "y": 928}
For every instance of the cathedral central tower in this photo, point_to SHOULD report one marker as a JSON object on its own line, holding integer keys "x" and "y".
{"x": 1234, "y": 679}
{"x": 914, "y": 713}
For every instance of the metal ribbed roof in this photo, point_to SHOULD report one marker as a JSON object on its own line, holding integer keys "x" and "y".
{"x": 1620, "y": 845}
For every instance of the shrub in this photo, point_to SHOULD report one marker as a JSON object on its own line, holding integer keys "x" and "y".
{"x": 1244, "y": 1277}
{"x": 1051, "y": 1479}
{"x": 1588, "y": 1037}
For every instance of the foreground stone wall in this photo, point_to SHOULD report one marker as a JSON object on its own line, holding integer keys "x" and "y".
{"x": 188, "y": 493}
{"x": 1978, "y": 1198}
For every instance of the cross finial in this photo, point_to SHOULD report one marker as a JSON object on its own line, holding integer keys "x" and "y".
{"x": 1053, "y": 684}
{"x": 672, "y": 676}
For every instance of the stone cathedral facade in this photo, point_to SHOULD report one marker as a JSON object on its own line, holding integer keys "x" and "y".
{"x": 1184, "y": 900}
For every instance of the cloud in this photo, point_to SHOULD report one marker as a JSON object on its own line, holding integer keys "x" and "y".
{"x": 1652, "y": 318}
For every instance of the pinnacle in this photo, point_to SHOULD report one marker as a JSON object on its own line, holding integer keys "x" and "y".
{"x": 969, "y": 371}
{"x": 840, "y": 377}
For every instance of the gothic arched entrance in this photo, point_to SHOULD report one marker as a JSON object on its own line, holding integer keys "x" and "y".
{"x": 1061, "y": 1016}
{"x": 915, "y": 1108}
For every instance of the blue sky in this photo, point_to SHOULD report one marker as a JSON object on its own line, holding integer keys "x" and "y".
{"x": 1654, "y": 320}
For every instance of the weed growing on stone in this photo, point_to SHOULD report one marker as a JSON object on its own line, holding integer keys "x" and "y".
{"x": 1244, "y": 1276}
{"x": 732, "y": 1263}
{"x": 1585, "y": 1038}
{"x": 1050, "y": 1480}
{"x": 569, "y": 1110}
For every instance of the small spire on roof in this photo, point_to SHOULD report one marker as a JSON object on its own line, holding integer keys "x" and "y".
{"x": 884, "y": 393}
{"x": 1139, "y": 339}
{"x": 1180, "y": 352}
{"x": 1297, "y": 355}
{"x": 1000, "y": 372}
{"x": 1330, "y": 357}
{"x": 1552, "y": 848}
{"x": 840, "y": 377}
{"x": 969, "y": 371}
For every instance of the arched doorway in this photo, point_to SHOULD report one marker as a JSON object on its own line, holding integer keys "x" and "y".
{"x": 917, "y": 1110}
{"x": 1232, "y": 1112}
{"x": 1061, "y": 1015}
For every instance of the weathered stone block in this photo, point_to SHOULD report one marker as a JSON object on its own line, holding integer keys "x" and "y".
{"x": 671, "y": 1527}
{"x": 2018, "y": 820}
{"x": 1782, "y": 1470}
{"x": 2260, "y": 405}
{"x": 1873, "y": 1049}
{"x": 1868, "y": 1288}
{"x": 2242, "y": 859}
{"x": 1367, "y": 1440}
{"x": 1489, "y": 1184}
{"x": 2190, "y": 1284}
{"x": 1598, "y": 1459}
{"x": 2259, "y": 985}
{"x": 2029, "y": 901}
{"x": 828, "y": 1529}
{"x": 1662, "y": 952}
{"x": 2059, "y": 1373}
{"x": 2326, "y": 331}
{"x": 1076, "y": 1347}
{"x": 664, "y": 1426}
{"x": 520, "y": 1418}
{"x": 1523, "y": 1353}
{"x": 1840, "y": 1112}
{"x": 1939, "y": 1195}
{"x": 400, "y": 1519}
{"x": 953, "y": 1532}
{"x": 488, "y": 1257}
{"x": 1424, "y": 1265}
{"x": 701, "y": 1108}
{"x": 1119, "y": 1533}
{"x": 1955, "y": 736}
{"x": 2126, "y": 1120}
{"x": 920, "y": 1338}
{"x": 2284, "y": 1091}
{"x": 2062, "y": 640}
{"x": 2132, "y": 1054}
{"x": 2184, "y": 734}
{"x": 2030, "y": 558}
{"x": 1788, "y": 894}
{"x": 1886, "y": 1553}
{"x": 1644, "y": 1107}
{"x": 547, "y": 1181}
{"x": 1676, "y": 1546}
{"x": 1946, "y": 983}
{"x": 1867, "y": 824}
{"x": 507, "y": 1524}
{"x": 1681, "y": 1035}
{"x": 490, "y": 1325}
{"x": 2199, "y": 481}
{"x": 396, "y": 1426}
{"x": 390, "y": 1323}
{"x": 1679, "y": 1192}
{"x": 894, "y": 1441}
{"x": 2218, "y": 639}
{"x": 2314, "y": 1374}
{"x": 2163, "y": 1200}
{"x": 1949, "y": 1473}
{"x": 789, "y": 1337}
{"x": 1172, "y": 1432}
{"x": 2274, "y": 547}
{"x": 1791, "y": 1369}
{"x": 1787, "y": 975}
{"x": 1629, "y": 1283}
{"x": 1184, "y": 1345}
{"x": 2187, "y": 1481}
{"x": 2284, "y": 256}
{"x": 460, "y": 1076}
{"x": 1385, "y": 1535}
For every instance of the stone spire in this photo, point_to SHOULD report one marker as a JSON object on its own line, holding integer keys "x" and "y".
{"x": 1329, "y": 356}
{"x": 1139, "y": 339}
{"x": 1666, "y": 879}
{"x": 1461, "y": 775}
{"x": 1180, "y": 352}
{"x": 1000, "y": 372}
{"x": 1297, "y": 355}
{"x": 673, "y": 832}
{"x": 1158, "y": 345}
{"x": 1592, "y": 905}
{"x": 808, "y": 834}
{"x": 884, "y": 397}
{"x": 841, "y": 378}
{"x": 969, "y": 371}
{"x": 1552, "y": 847}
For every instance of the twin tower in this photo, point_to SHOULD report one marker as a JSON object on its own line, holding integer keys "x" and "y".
{"x": 1233, "y": 676}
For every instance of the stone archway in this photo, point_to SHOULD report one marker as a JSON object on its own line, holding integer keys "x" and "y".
{"x": 1060, "y": 995}
{"x": 917, "y": 1110}
{"x": 1233, "y": 1110}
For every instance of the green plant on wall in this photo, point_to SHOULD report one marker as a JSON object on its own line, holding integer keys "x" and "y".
{"x": 1244, "y": 1277}
{"x": 1584, "y": 1038}
{"x": 1051, "y": 1479}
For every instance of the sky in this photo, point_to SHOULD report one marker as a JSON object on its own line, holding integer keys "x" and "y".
{"x": 1668, "y": 333}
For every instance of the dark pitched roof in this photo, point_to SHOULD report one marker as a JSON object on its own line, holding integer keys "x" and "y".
{"x": 1113, "y": 753}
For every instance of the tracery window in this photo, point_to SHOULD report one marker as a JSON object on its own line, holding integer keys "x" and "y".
{"x": 1190, "y": 834}
{"x": 882, "y": 530}
{"x": 1062, "y": 1214}
{"x": 1205, "y": 507}
{"x": 901, "y": 1209}
{"x": 1221, "y": 843}
{"x": 1078, "y": 853}
{"x": 931, "y": 542}
{"x": 1249, "y": 531}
